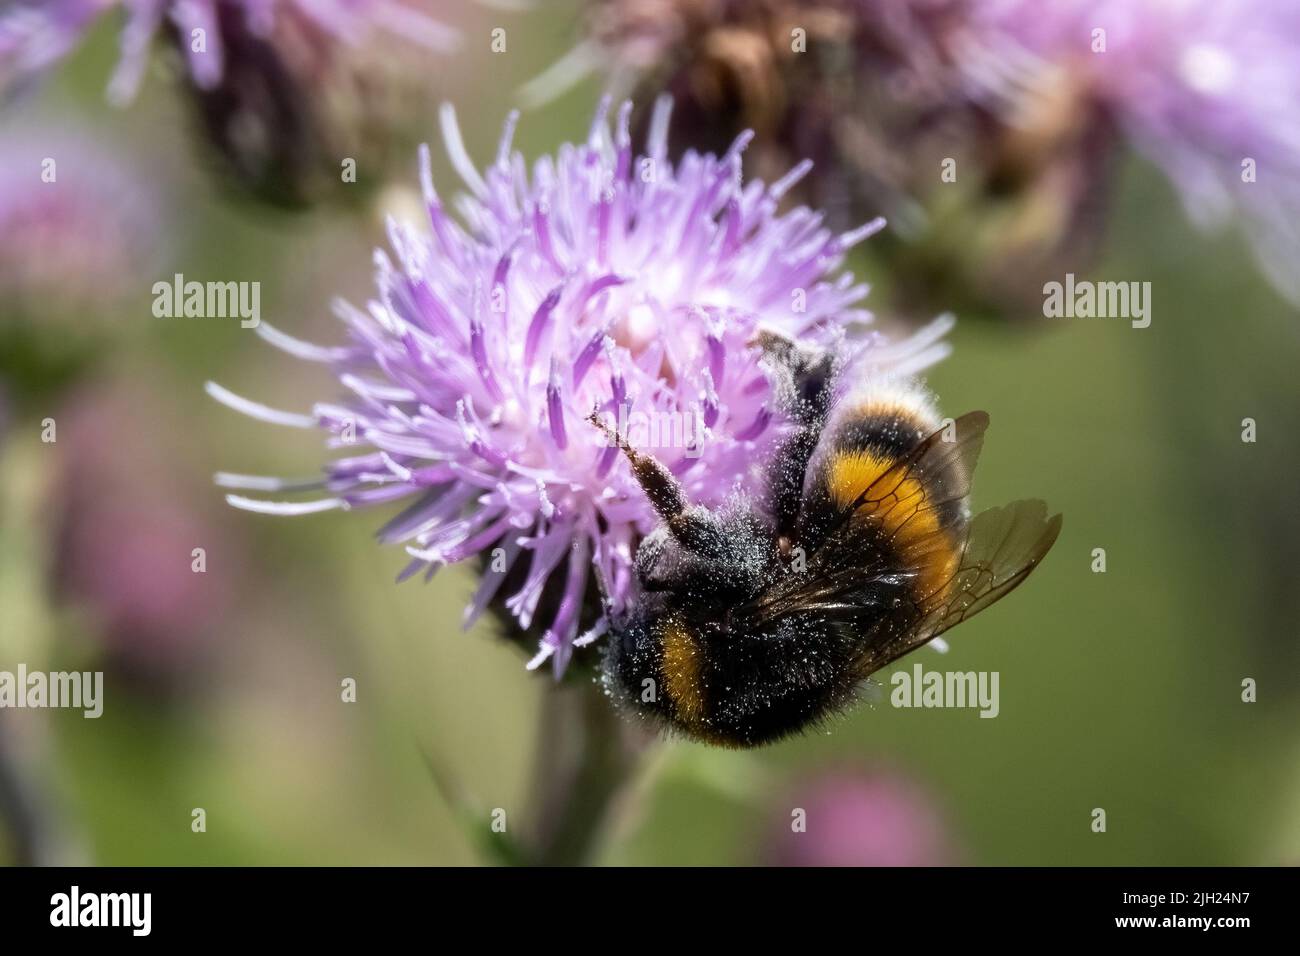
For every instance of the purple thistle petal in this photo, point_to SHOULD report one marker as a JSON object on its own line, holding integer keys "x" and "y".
{"x": 537, "y": 327}
{"x": 590, "y": 352}
{"x": 479, "y": 351}
{"x": 555, "y": 409}
{"x": 757, "y": 427}
{"x": 34, "y": 35}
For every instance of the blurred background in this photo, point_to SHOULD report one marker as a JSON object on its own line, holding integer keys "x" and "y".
{"x": 1120, "y": 690}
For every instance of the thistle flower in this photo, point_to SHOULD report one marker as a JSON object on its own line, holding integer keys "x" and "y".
{"x": 36, "y": 34}
{"x": 853, "y": 86}
{"x": 78, "y": 230}
{"x": 80, "y": 235}
{"x": 124, "y": 552}
{"x": 602, "y": 281}
{"x": 986, "y": 130}
{"x": 856, "y": 817}
{"x": 877, "y": 95}
{"x": 286, "y": 89}
{"x": 1207, "y": 91}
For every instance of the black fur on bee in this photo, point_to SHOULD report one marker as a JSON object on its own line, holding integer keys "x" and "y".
{"x": 763, "y": 617}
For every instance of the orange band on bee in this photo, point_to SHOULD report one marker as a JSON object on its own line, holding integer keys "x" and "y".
{"x": 902, "y": 512}
{"x": 682, "y": 662}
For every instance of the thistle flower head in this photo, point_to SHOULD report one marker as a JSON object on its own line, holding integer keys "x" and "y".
{"x": 1208, "y": 91}
{"x": 79, "y": 232}
{"x": 122, "y": 552}
{"x": 853, "y": 86}
{"x": 865, "y": 817}
{"x": 287, "y": 90}
{"x": 878, "y": 96}
{"x": 35, "y": 34}
{"x": 1028, "y": 100}
{"x": 598, "y": 281}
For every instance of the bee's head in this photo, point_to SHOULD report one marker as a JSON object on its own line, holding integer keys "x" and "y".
{"x": 711, "y": 556}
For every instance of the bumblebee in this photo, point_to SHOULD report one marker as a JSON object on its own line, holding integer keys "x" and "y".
{"x": 762, "y": 618}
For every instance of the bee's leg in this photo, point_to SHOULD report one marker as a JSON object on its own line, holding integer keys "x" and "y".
{"x": 802, "y": 374}
{"x": 803, "y": 379}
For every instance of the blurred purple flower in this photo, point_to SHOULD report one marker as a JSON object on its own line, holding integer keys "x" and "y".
{"x": 35, "y": 34}
{"x": 123, "y": 547}
{"x": 1198, "y": 86}
{"x": 855, "y": 86}
{"x": 287, "y": 91}
{"x": 856, "y": 818}
{"x": 602, "y": 281}
{"x": 876, "y": 96}
{"x": 1010, "y": 92}
{"x": 79, "y": 231}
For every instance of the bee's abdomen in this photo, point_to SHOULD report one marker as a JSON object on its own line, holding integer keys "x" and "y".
{"x": 910, "y": 519}
{"x": 659, "y": 666}
{"x": 887, "y": 432}
{"x": 682, "y": 667}
{"x": 737, "y": 690}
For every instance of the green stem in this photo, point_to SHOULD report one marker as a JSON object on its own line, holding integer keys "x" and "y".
{"x": 32, "y": 837}
{"x": 586, "y": 757}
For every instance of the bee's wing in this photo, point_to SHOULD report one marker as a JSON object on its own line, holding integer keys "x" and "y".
{"x": 913, "y": 512}
{"x": 917, "y": 509}
{"x": 932, "y": 481}
{"x": 1003, "y": 545}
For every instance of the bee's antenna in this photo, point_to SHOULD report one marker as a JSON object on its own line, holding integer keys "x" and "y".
{"x": 657, "y": 481}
